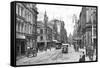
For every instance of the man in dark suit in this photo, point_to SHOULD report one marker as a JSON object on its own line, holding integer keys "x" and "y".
{"x": 82, "y": 59}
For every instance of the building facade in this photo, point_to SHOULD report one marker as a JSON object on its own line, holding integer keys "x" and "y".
{"x": 91, "y": 28}
{"x": 87, "y": 29}
{"x": 26, "y": 19}
{"x": 63, "y": 33}
{"x": 43, "y": 38}
{"x": 40, "y": 35}
{"x": 59, "y": 31}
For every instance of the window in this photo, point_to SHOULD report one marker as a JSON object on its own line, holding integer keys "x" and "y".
{"x": 41, "y": 31}
{"x": 25, "y": 28}
{"x": 94, "y": 31}
{"x": 22, "y": 11}
{"x": 31, "y": 29}
{"x": 16, "y": 9}
{"x": 28, "y": 29}
{"x": 28, "y": 17}
{"x": 19, "y": 10}
{"x": 34, "y": 28}
{"x": 22, "y": 27}
{"x": 41, "y": 37}
{"x": 31, "y": 19}
{"x": 17, "y": 26}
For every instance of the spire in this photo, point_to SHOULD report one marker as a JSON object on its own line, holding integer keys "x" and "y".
{"x": 45, "y": 17}
{"x": 45, "y": 14}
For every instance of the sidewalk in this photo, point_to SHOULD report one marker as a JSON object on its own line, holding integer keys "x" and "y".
{"x": 87, "y": 58}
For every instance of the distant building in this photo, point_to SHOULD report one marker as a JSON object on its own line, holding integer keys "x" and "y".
{"x": 63, "y": 33}
{"x": 76, "y": 37}
{"x": 44, "y": 31}
{"x": 26, "y": 19}
{"x": 40, "y": 35}
{"x": 70, "y": 39}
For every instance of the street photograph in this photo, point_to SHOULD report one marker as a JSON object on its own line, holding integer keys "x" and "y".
{"x": 48, "y": 33}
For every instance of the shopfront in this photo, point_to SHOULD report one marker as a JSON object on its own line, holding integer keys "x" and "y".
{"x": 20, "y": 45}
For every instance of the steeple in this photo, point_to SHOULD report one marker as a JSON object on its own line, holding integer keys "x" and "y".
{"x": 45, "y": 17}
{"x": 45, "y": 14}
{"x": 45, "y": 22}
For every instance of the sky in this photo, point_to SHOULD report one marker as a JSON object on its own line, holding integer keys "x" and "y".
{"x": 64, "y": 13}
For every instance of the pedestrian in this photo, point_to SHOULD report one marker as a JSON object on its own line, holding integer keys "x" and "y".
{"x": 82, "y": 58}
{"x": 28, "y": 51}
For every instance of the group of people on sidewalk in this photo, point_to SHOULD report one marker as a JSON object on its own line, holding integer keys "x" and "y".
{"x": 83, "y": 57}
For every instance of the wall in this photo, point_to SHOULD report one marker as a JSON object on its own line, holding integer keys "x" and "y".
{"x": 5, "y": 34}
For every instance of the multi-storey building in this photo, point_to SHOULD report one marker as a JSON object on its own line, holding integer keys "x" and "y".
{"x": 40, "y": 35}
{"x": 63, "y": 33}
{"x": 87, "y": 28}
{"x": 91, "y": 27}
{"x": 59, "y": 33}
{"x": 26, "y": 19}
{"x": 42, "y": 38}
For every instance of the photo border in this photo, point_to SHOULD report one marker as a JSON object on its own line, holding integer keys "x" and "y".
{"x": 13, "y": 33}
